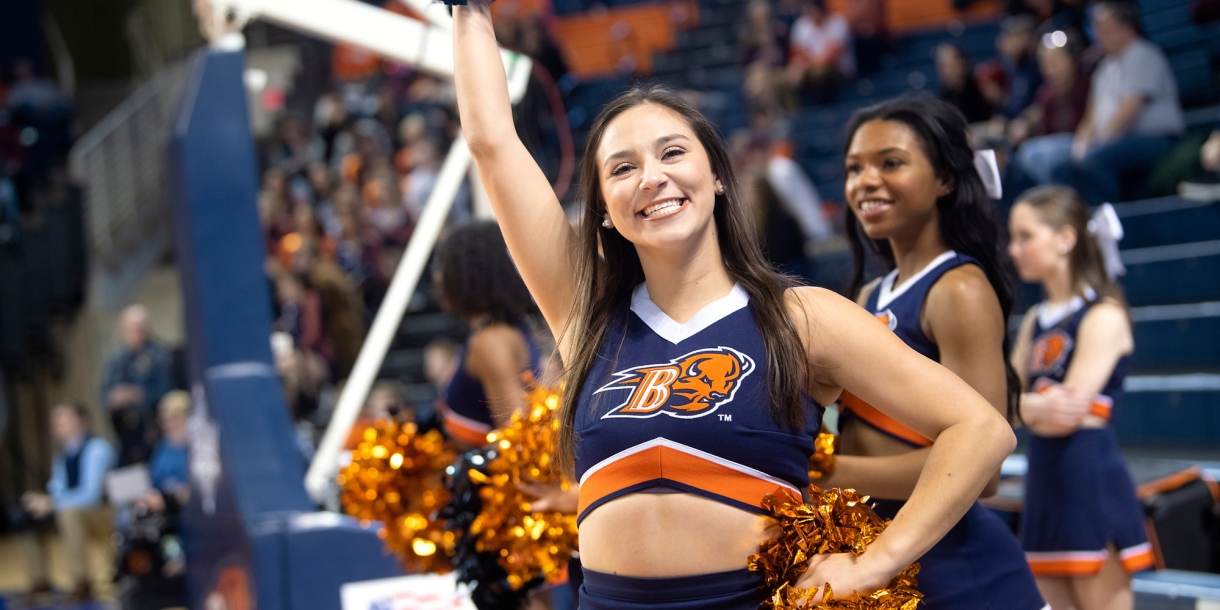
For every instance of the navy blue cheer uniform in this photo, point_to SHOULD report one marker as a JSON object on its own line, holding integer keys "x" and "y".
{"x": 682, "y": 408}
{"x": 467, "y": 415}
{"x": 1079, "y": 498}
{"x": 979, "y": 563}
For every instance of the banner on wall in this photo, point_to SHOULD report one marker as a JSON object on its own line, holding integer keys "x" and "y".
{"x": 423, "y": 592}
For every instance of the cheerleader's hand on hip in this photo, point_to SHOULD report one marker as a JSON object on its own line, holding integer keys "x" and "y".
{"x": 552, "y": 497}
{"x": 845, "y": 573}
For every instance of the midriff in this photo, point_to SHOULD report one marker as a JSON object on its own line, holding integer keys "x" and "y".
{"x": 858, "y": 438}
{"x": 652, "y": 535}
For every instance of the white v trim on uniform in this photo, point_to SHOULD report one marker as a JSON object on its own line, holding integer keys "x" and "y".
{"x": 887, "y": 292}
{"x": 675, "y": 333}
{"x": 1050, "y": 315}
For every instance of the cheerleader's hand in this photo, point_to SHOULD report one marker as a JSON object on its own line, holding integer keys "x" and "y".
{"x": 1067, "y": 407}
{"x": 551, "y": 497}
{"x": 845, "y": 573}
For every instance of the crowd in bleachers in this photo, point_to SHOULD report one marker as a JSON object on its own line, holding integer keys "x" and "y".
{"x": 92, "y": 495}
{"x": 1074, "y": 93}
{"x": 340, "y": 197}
{"x": 342, "y": 191}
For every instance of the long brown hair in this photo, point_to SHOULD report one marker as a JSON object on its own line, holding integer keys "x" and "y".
{"x": 605, "y": 280}
{"x": 1061, "y": 206}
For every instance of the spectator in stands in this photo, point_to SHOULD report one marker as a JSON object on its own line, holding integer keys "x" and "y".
{"x": 958, "y": 85}
{"x": 274, "y": 211}
{"x": 295, "y": 147}
{"x": 786, "y": 204}
{"x": 342, "y": 308}
{"x": 320, "y": 182}
{"x": 387, "y": 401}
{"x": 151, "y": 554}
{"x": 1202, "y": 183}
{"x": 1209, "y": 155}
{"x": 330, "y": 117}
{"x": 74, "y": 496}
{"x": 382, "y": 207}
{"x": 1133, "y": 116}
{"x": 779, "y": 233}
{"x": 418, "y": 183}
{"x": 797, "y": 192}
{"x": 1017, "y": 59}
{"x": 535, "y": 41}
{"x": 300, "y": 311}
{"x": 1044, "y": 131}
{"x": 302, "y": 375}
{"x": 440, "y": 362}
{"x": 168, "y": 466}
{"x": 763, "y": 47}
{"x": 869, "y": 33}
{"x": 355, "y": 240}
{"x": 33, "y": 93}
{"x": 762, "y": 37}
{"x": 135, "y": 380}
{"x": 820, "y": 52}
{"x": 1050, "y": 15}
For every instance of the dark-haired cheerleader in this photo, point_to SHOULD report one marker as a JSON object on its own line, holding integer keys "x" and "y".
{"x": 477, "y": 280}
{"x": 919, "y": 202}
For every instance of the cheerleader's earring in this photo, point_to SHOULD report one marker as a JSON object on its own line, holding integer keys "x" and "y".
{"x": 719, "y": 188}
{"x": 607, "y": 223}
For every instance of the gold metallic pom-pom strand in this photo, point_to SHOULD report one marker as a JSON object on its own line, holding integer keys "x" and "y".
{"x": 833, "y": 521}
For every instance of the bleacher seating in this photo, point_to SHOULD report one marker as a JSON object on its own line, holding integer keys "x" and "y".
{"x": 1173, "y": 257}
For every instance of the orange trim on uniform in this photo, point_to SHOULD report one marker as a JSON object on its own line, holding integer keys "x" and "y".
{"x": 1065, "y": 567}
{"x": 660, "y": 462}
{"x": 1101, "y": 406}
{"x": 880, "y": 420}
{"x": 1138, "y": 558}
{"x": 463, "y": 430}
{"x": 1087, "y": 563}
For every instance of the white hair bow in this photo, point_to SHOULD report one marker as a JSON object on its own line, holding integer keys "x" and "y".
{"x": 989, "y": 171}
{"x": 1105, "y": 227}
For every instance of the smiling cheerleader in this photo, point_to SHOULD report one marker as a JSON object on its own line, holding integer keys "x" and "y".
{"x": 694, "y": 372}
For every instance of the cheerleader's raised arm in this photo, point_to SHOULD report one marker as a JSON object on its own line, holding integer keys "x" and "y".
{"x": 534, "y": 226}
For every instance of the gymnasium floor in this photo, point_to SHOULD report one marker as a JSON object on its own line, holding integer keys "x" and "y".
{"x": 13, "y": 584}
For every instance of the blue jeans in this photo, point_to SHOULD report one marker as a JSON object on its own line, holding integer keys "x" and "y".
{"x": 1038, "y": 157}
{"x": 1107, "y": 168}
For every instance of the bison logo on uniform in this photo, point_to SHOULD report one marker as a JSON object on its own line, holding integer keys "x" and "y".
{"x": 688, "y": 386}
{"x": 888, "y": 318}
{"x": 1049, "y": 351}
